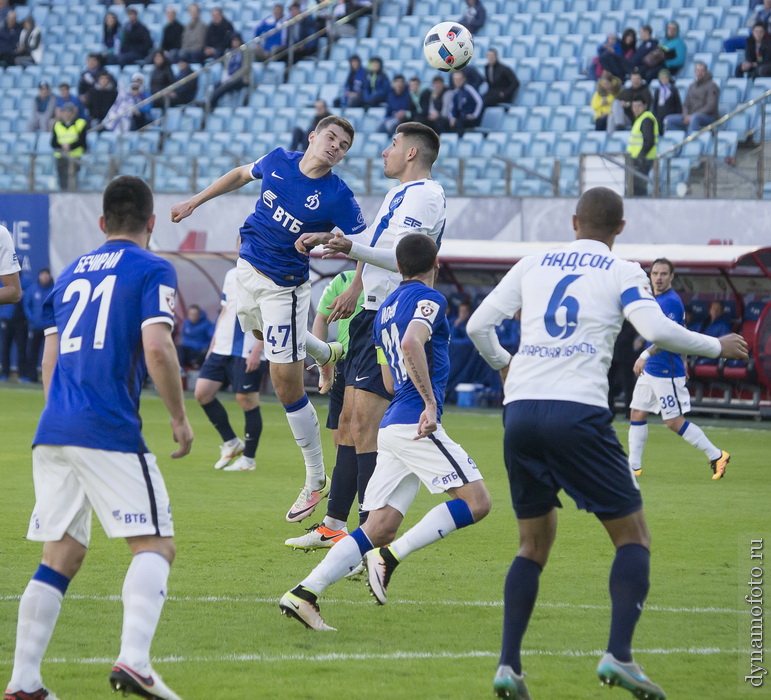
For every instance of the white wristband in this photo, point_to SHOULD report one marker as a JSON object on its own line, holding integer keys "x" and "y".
{"x": 645, "y": 355}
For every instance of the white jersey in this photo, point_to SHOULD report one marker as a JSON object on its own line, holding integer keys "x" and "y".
{"x": 9, "y": 263}
{"x": 412, "y": 207}
{"x": 229, "y": 339}
{"x": 573, "y": 302}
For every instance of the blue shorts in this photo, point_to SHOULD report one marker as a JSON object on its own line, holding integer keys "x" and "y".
{"x": 336, "y": 396}
{"x": 232, "y": 370}
{"x": 553, "y": 445}
{"x": 362, "y": 370}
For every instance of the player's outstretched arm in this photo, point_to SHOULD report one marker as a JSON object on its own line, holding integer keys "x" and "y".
{"x": 233, "y": 180}
{"x": 414, "y": 351}
{"x": 481, "y": 329}
{"x": 163, "y": 366}
{"x": 734, "y": 347}
{"x": 309, "y": 240}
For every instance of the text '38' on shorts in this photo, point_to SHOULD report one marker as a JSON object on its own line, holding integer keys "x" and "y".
{"x": 665, "y": 395}
{"x": 281, "y": 313}
{"x": 125, "y": 490}
{"x": 403, "y": 463}
{"x": 553, "y": 445}
{"x": 228, "y": 370}
{"x": 362, "y": 370}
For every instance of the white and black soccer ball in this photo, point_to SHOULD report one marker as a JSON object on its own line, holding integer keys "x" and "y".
{"x": 448, "y": 46}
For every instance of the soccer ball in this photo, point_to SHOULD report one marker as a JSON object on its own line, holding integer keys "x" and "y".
{"x": 448, "y": 46}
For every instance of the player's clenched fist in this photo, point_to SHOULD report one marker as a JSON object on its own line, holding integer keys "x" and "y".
{"x": 734, "y": 347}
{"x": 181, "y": 211}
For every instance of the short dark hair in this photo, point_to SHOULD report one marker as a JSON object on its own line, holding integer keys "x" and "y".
{"x": 647, "y": 28}
{"x": 759, "y": 24}
{"x": 600, "y": 209}
{"x": 640, "y": 98}
{"x": 425, "y": 137}
{"x": 416, "y": 254}
{"x": 344, "y": 124}
{"x": 127, "y": 205}
{"x": 193, "y": 306}
{"x": 399, "y": 76}
{"x": 664, "y": 261}
{"x": 635, "y": 71}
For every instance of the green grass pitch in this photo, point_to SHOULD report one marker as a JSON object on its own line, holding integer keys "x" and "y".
{"x": 221, "y": 635}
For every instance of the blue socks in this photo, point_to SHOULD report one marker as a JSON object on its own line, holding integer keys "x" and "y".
{"x": 629, "y": 583}
{"x": 218, "y": 417}
{"x": 519, "y": 593}
{"x": 344, "y": 480}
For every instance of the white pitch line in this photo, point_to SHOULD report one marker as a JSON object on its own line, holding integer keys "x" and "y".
{"x": 451, "y": 603}
{"x": 396, "y": 655}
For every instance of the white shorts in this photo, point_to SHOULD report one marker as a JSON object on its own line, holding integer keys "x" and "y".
{"x": 126, "y": 491}
{"x": 665, "y": 395}
{"x": 402, "y": 463}
{"x": 281, "y": 313}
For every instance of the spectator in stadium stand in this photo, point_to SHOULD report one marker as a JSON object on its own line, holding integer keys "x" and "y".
{"x": 193, "y": 37}
{"x": 439, "y": 106}
{"x": 666, "y": 99}
{"x": 474, "y": 16}
{"x": 420, "y": 98}
{"x": 66, "y": 97}
{"x": 68, "y": 140}
{"x": 466, "y": 105}
{"x": 183, "y": 94}
{"x": 100, "y": 97}
{"x": 161, "y": 76}
{"x": 608, "y": 89}
{"x": 343, "y": 8}
{"x": 353, "y": 87}
{"x": 235, "y": 75}
{"x": 37, "y": 320}
{"x": 299, "y": 31}
{"x": 300, "y": 137}
{"x": 89, "y": 75}
{"x": 271, "y": 44}
{"x": 135, "y": 41}
{"x": 622, "y": 66}
{"x": 110, "y": 37}
{"x": 701, "y": 103}
{"x": 217, "y": 35}
{"x": 621, "y": 116}
{"x": 643, "y": 141}
{"x": 674, "y": 43}
{"x": 472, "y": 75}
{"x": 502, "y": 82}
{"x": 13, "y": 324}
{"x": 398, "y": 104}
{"x": 197, "y": 332}
{"x": 376, "y": 85}
{"x": 124, "y": 115}
{"x": 5, "y": 8}
{"x": 763, "y": 14}
{"x": 30, "y": 49}
{"x": 612, "y": 44}
{"x": 171, "y": 38}
{"x": 757, "y": 54}
{"x": 10, "y": 32}
{"x": 458, "y": 327}
{"x": 43, "y": 107}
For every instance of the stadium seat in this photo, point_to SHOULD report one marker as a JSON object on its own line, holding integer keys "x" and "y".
{"x": 563, "y": 119}
{"x": 469, "y": 144}
{"x": 568, "y": 144}
{"x": 494, "y": 144}
{"x": 593, "y": 142}
{"x": 492, "y": 119}
{"x": 542, "y": 144}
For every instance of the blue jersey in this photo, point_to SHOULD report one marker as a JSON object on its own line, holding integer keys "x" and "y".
{"x": 292, "y": 204}
{"x": 413, "y": 301}
{"x": 668, "y": 364}
{"x": 100, "y": 304}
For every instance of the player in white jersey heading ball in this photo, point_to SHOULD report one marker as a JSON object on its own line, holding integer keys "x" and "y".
{"x": 558, "y": 429}
{"x": 300, "y": 194}
{"x": 114, "y": 312}
{"x": 416, "y": 205}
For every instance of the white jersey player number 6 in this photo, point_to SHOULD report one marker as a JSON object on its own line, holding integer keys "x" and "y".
{"x": 82, "y": 287}
{"x": 561, "y": 317}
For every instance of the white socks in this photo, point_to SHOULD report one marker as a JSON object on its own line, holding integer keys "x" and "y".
{"x": 433, "y": 526}
{"x": 38, "y": 611}
{"x": 317, "y": 349}
{"x": 334, "y": 523}
{"x": 304, "y": 424}
{"x": 343, "y": 558}
{"x": 144, "y": 593}
{"x": 638, "y": 436}
{"x": 695, "y": 436}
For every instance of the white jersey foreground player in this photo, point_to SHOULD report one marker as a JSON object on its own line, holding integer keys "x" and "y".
{"x": 558, "y": 429}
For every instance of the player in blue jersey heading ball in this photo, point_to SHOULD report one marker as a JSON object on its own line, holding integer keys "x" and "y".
{"x": 299, "y": 195}
{"x": 412, "y": 336}
{"x": 114, "y": 313}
